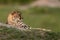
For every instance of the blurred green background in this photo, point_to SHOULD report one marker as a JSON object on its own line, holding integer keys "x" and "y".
{"x": 15, "y": 2}
{"x": 40, "y": 17}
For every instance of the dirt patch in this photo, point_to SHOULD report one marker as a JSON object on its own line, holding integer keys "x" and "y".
{"x": 51, "y": 3}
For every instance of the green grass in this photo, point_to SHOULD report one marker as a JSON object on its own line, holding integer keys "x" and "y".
{"x": 4, "y": 13}
{"x": 42, "y": 17}
{"x": 33, "y": 34}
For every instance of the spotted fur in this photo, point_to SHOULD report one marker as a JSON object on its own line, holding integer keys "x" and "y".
{"x": 15, "y": 19}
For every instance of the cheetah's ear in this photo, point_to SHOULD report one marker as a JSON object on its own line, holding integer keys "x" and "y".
{"x": 20, "y": 16}
{"x": 13, "y": 12}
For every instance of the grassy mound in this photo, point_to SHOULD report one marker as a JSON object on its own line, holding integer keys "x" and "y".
{"x": 14, "y": 34}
